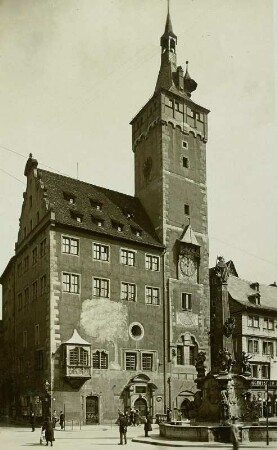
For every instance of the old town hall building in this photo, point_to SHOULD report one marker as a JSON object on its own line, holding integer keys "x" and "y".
{"x": 106, "y": 300}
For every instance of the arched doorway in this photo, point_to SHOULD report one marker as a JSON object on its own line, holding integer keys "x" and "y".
{"x": 185, "y": 407}
{"x": 141, "y": 405}
{"x": 92, "y": 409}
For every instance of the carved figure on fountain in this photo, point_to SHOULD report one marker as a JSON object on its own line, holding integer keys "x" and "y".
{"x": 221, "y": 270}
{"x": 200, "y": 364}
{"x": 246, "y": 367}
{"x": 224, "y": 361}
{"x": 229, "y": 326}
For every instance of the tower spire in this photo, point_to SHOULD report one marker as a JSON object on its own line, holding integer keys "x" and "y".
{"x": 168, "y": 24}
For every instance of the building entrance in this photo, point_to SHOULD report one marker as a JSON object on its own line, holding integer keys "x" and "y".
{"x": 141, "y": 405}
{"x": 92, "y": 409}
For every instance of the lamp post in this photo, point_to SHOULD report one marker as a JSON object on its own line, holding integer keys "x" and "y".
{"x": 47, "y": 387}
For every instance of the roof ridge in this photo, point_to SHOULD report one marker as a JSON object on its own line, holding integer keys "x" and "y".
{"x": 86, "y": 182}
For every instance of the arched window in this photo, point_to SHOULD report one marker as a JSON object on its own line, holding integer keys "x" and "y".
{"x": 100, "y": 360}
{"x": 78, "y": 357}
{"x": 187, "y": 350}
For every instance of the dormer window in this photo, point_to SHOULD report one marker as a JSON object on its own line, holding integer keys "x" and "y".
{"x": 97, "y": 221}
{"x": 254, "y": 299}
{"x": 129, "y": 214}
{"x": 70, "y": 198}
{"x": 136, "y": 231}
{"x": 117, "y": 225}
{"x": 77, "y": 216}
{"x": 96, "y": 205}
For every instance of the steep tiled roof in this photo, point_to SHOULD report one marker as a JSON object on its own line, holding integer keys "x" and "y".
{"x": 115, "y": 209}
{"x": 240, "y": 290}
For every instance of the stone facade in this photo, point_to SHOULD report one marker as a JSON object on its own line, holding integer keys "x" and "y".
{"x": 106, "y": 301}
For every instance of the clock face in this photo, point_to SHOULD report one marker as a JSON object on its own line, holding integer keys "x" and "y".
{"x": 187, "y": 265}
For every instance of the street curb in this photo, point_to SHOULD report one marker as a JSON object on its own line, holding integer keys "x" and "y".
{"x": 188, "y": 444}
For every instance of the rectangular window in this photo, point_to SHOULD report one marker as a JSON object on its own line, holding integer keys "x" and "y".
{"x": 254, "y": 370}
{"x": 34, "y": 290}
{"x": 43, "y": 284}
{"x": 253, "y": 321}
{"x": 253, "y": 346}
{"x": 42, "y": 248}
{"x": 20, "y": 367}
{"x": 180, "y": 355}
{"x": 186, "y": 301}
{"x": 128, "y": 292}
{"x": 186, "y": 209}
{"x": 101, "y": 287}
{"x": 152, "y": 295}
{"x": 191, "y": 356}
{"x": 37, "y": 334}
{"x": 25, "y": 339}
{"x": 152, "y": 263}
{"x": 130, "y": 361}
{"x": 265, "y": 371}
{"x": 71, "y": 283}
{"x": 19, "y": 269}
{"x": 26, "y": 298}
{"x": 127, "y": 257}
{"x": 101, "y": 252}
{"x": 70, "y": 245}
{"x": 39, "y": 360}
{"x": 26, "y": 263}
{"x": 185, "y": 162}
{"x": 268, "y": 348}
{"x": 35, "y": 255}
{"x": 147, "y": 361}
{"x": 19, "y": 302}
{"x": 100, "y": 360}
{"x": 268, "y": 324}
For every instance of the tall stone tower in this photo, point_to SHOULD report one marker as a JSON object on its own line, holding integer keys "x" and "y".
{"x": 169, "y": 136}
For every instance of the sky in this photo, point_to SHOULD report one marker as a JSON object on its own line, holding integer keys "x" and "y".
{"x": 74, "y": 73}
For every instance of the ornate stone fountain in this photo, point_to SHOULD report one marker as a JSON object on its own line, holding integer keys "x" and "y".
{"x": 223, "y": 395}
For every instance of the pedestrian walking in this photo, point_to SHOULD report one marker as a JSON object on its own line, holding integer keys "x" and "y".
{"x": 147, "y": 424}
{"x": 62, "y": 420}
{"x": 54, "y": 418}
{"x": 137, "y": 417}
{"x": 122, "y": 423}
{"x": 33, "y": 420}
{"x": 49, "y": 431}
{"x": 132, "y": 416}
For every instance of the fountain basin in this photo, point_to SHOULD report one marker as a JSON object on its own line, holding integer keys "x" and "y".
{"x": 216, "y": 433}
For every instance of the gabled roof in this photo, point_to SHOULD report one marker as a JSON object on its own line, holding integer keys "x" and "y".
{"x": 240, "y": 291}
{"x": 116, "y": 208}
{"x": 188, "y": 236}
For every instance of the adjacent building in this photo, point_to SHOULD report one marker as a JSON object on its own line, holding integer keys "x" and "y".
{"x": 253, "y": 307}
{"x": 106, "y": 300}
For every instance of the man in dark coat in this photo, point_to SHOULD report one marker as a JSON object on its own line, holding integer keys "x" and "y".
{"x": 123, "y": 423}
{"x": 32, "y": 420}
{"x": 62, "y": 420}
{"x": 147, "y": 424}
{"x": 49, "y": 431}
